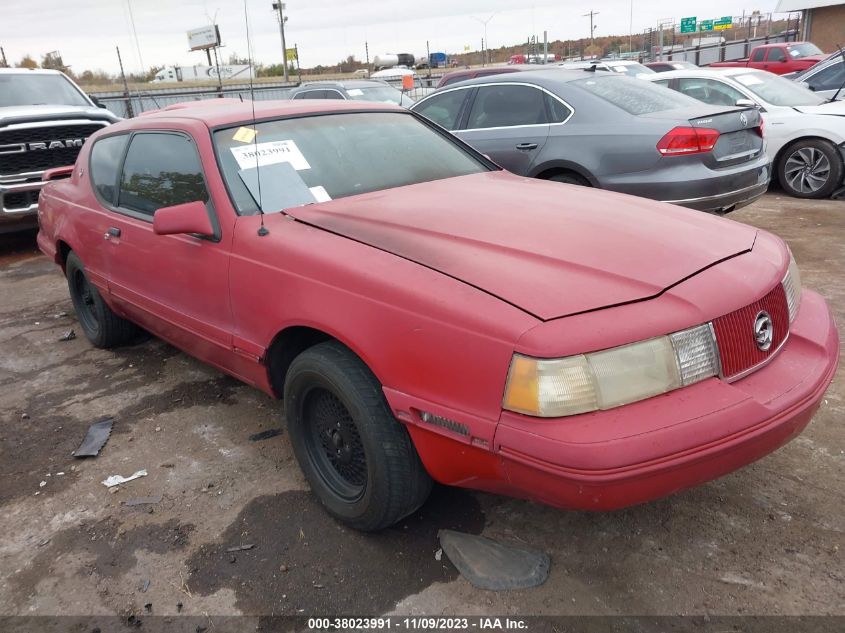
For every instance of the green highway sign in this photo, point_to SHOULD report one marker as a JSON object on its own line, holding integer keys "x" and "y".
{"x": 688, "y": 25}
{"x": 725, "y": 22}
{"x": 706, "y": 25}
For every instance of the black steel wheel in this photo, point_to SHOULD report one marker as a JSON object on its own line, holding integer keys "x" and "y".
{"x": 99, "y": 323}
{"x": 333, "y": 441}
{"x": 358, "y": 459}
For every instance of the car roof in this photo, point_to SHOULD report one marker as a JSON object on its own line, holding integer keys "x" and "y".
{"x": 221, "y": 112}
{"x": 345, "y": 83}
{"x": 540, "y": 77}
{"x": 22, "y": 71}
{"x": 704, "y": 72}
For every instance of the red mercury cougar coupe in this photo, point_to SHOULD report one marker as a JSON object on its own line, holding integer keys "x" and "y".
{"x": 428, "y": 316}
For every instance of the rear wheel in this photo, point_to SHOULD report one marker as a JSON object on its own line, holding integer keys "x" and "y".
{"x": 569, "y": 178}
{"x": 810, "y": 169}
{"x": 100, "y": 325}
{"x": 358, "y": 459}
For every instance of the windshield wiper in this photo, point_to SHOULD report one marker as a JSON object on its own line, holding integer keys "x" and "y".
{"x": 842, "y": 55}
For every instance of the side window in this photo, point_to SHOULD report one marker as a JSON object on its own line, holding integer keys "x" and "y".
{"x": 758, "y": 55}
{"x": 830, "y": 78}
{"x": 105, "y": 164}
{"x": 506, "y": 106}
{"x": 160, "y": 170}
{"x": 310, "y": 94}
{"x": 443, "y": 109}
{"x": 710, "y": 91}
{"x": 558, "y": 111}
{"x": 332, "y": 94}
{"x": 662, "y": 82}
{"x": 776, "y": 54}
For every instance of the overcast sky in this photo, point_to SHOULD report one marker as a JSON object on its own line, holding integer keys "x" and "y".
{"x": 87, "y": 31}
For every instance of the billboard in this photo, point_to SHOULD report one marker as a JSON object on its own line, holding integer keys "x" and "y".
{"x": 204, "y": 37}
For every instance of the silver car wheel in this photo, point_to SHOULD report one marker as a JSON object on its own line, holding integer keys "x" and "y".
{"x": 807, "y": 170}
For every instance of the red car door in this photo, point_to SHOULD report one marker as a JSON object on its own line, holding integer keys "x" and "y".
{"x": 174, "y": 285}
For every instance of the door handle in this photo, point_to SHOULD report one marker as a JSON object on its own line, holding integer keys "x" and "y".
{"x": 526, "y": 146}
{"x": 112, "y": 232}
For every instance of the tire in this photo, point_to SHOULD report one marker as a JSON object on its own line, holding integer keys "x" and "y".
{"x": 569, "y": 178}
{"x": 358, "y": 459}
{"x": 810, "y": 169}
{"x": 100, "y": 325}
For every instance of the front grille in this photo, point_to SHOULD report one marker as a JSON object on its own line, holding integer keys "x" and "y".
{"x": 738, "y": 349}
{"x": 20, "y": 200}
{"x": 41, "y": 159}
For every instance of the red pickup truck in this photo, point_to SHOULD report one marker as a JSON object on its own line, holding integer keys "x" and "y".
{"x": 779, "y": 59}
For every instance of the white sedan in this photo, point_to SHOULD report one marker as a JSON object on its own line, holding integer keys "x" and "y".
{"x": 805, "y": 133}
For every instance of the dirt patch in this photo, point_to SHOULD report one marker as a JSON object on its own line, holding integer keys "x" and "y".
{"x": 304, "y": 563}
{"x": 111, "y": 548}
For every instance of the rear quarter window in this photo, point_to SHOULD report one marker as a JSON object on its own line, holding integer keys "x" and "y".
{"x": 106, "y": 156}
{"x": 634, "y": 96}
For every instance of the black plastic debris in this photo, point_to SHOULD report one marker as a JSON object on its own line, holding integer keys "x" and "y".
{"x": 265, "y": 435}
{"x": 97, "y": 436}
{"x": 490, "y": 565}
{"x": 68, "y": 336}
{"x": 140, "y": 501}
{"x": 240, "y": 548}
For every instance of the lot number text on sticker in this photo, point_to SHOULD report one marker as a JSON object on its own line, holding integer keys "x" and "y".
{"x": 249, "y": 156}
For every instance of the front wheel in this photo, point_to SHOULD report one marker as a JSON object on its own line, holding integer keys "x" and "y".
{"x": 810, "y": 169}
{"x": 358, "y": 459}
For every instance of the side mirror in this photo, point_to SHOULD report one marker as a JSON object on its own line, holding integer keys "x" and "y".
{"x": 784, "y": 60}
{"x": 746, "y": 103}
{"x": 97, "y": 102}
{"x": 191, "y": 217}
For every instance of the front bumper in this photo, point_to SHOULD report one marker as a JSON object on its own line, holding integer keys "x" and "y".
{"x": 19, "y": 203}
{"x": 649, "y": 449}
{"x": 642, "y": 451}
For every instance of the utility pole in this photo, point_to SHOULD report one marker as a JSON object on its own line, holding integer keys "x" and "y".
{"x": 280, "y": 7}
{"x": 3, "y": 61}
{"x": 592, "y": 28}
{"x": 129, "y": 112}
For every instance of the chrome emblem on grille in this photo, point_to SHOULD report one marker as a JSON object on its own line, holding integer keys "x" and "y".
{"x": 763, "y": 331}
{"x": 743, "y": 119}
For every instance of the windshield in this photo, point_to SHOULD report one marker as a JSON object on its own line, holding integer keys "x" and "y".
{"x": 635, "y": 96}
{"x": 632, "y": 70}
{"x": 797, "y": 51}
{"x": 778, "y": 91}
{"x": 382, "y": 94}
{"x": 292, "y": 162}
{"x": 22, "y": 89}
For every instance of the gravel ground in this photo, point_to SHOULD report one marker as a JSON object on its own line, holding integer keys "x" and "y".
{"x": 766, "y": 540}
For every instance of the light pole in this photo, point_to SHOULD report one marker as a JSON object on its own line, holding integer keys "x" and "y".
{"x": 486, "y": 46}
{"x": 280, "y": 7}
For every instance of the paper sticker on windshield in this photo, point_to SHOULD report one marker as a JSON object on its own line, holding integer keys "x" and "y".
{"x": 748, "y": 80}
{"x": 249, "y": 156}
{"x": 355, "y": 92}
{"x": 244, "y": 135}
{"x": 320, "y": 194}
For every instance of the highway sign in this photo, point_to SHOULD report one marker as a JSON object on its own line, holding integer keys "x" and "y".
{"x": 725, "y": 22}
{"x": 705, "y": 25}
{"x": 688, "y": 25}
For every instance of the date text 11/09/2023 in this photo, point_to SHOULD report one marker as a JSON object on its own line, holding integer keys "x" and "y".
{"x": 417, "y": 623}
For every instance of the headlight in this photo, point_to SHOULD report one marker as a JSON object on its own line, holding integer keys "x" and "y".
{"x": 792, "y": 287}
{"x": 610, "y": 378}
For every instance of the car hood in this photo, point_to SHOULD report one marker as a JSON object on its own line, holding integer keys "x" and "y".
{"x": 12, "y": 114}
{"x": 550, "y": 249}
{"x": 834, "y": 108}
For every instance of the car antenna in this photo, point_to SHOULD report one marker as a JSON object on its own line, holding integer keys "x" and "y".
{"x": 836, "y": 94}
{"x": 262, "y": 230}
